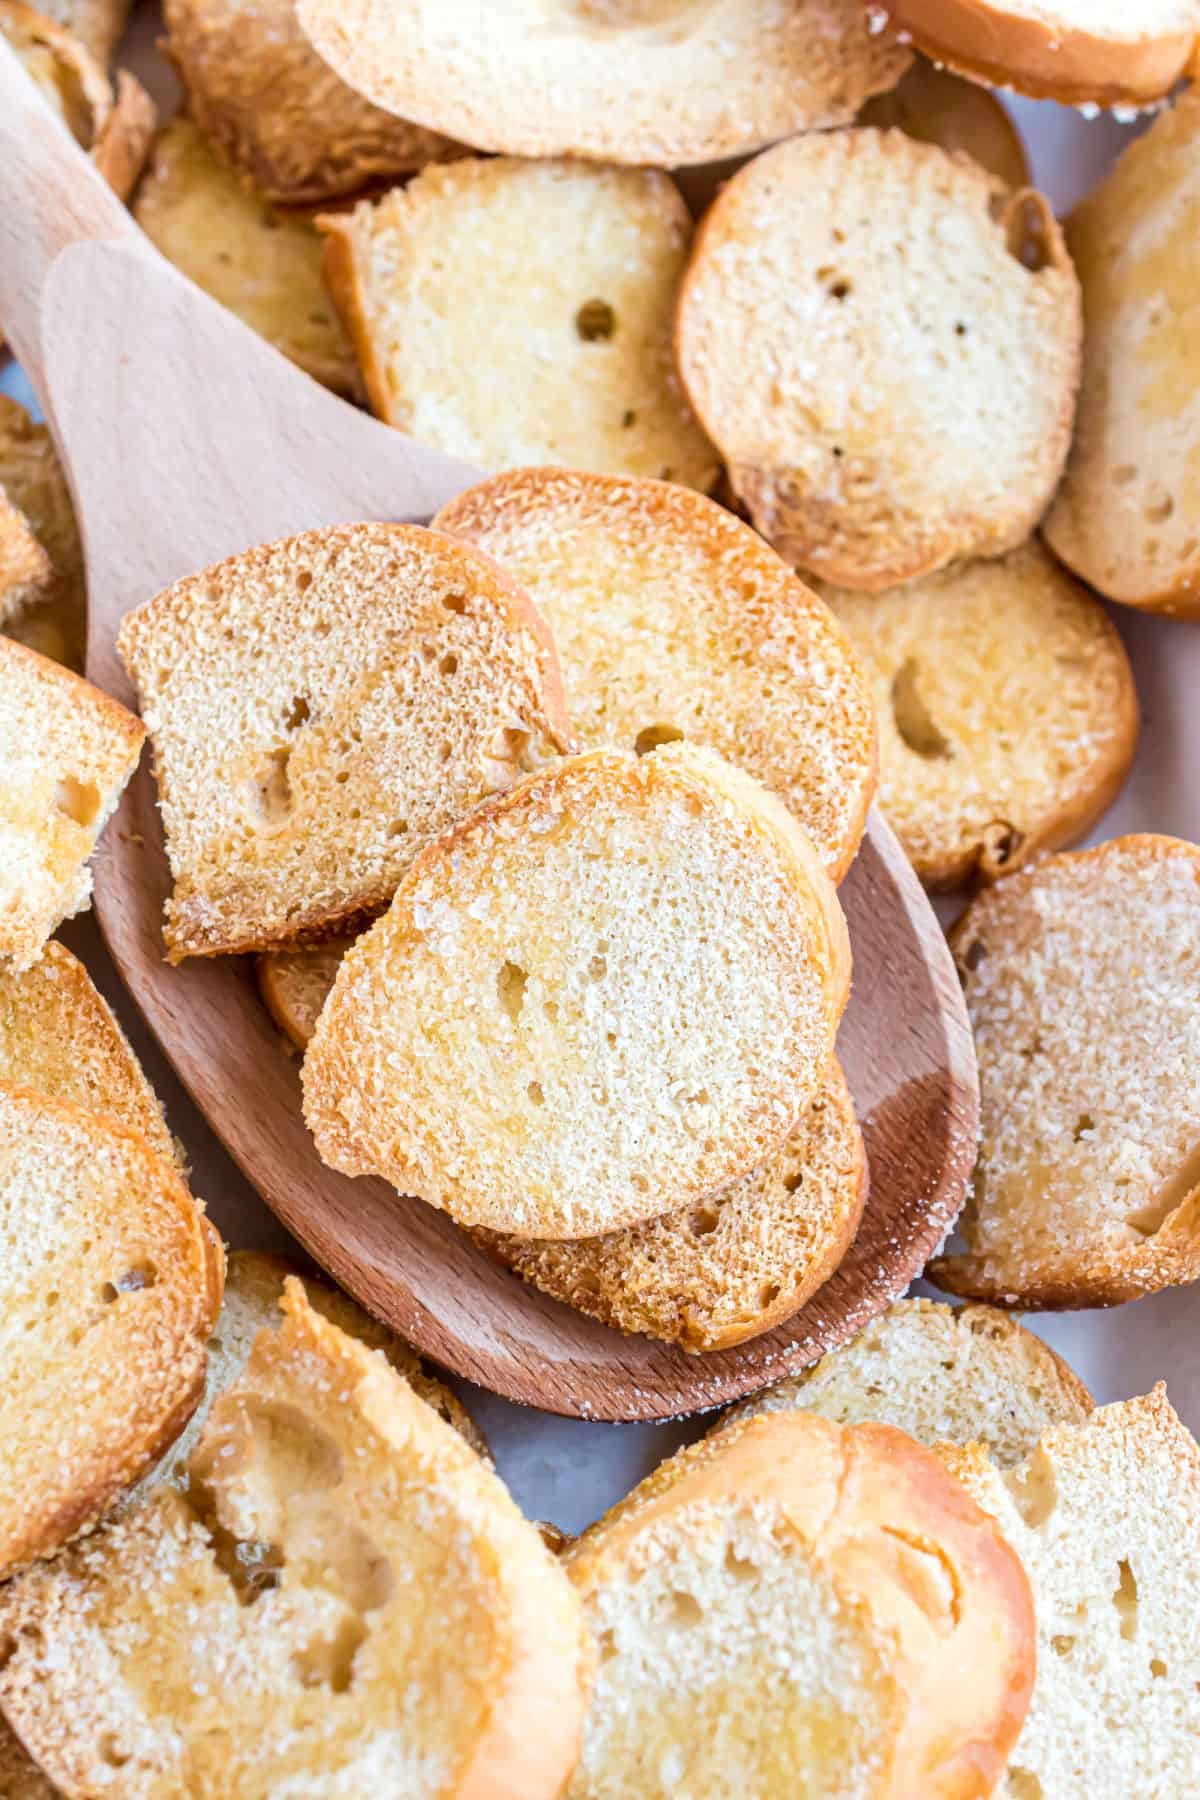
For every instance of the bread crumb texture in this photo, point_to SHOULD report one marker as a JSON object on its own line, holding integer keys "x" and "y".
{"x": 319, "y": 709}
{"x": 674, "y": 620}
{"x": 627, "y": 81}
{"x": 606, "y": 995}
{"x": 32, "y": 479}
{"x": 268, "y": 1633}
{"x": 1007, "y": 711}
{"x": 782, "y": 1609}
{"x": 1126, "y": 515}
{"x": 66, "y": 752}
{"x": 1104, "y": 1517}
{"x": 519, "y": 312}
{"x": 939, "y": 1373}
{"x": 883, "y": 342}
{"x": 1082, "y": 977}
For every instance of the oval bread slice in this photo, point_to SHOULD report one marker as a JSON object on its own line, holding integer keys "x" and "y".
{"x": 788, "y": 1607}
{"x": 319, "y": 709}
{"x": 1082, "y": 979}
{"x": 937, "y": 107}
{"x": 942, "y": 1374}
{"x": 259, "y": 91}
{"x": 517, "y": 312}
{"x": 1126, "y": 515}
{"x": 295, "y": 985}
{"x": 883, "y": 342}
{"x": 674, "y": 620}
{"x": 606, "y": 995}
{"x": 655, "y": 81}
{"x": 1103, "y": 52}
{"x": 32, "y": 478}
{"x": 346, "y": 1602}
{"x": 106, "y": 1299}
{"x": 1008, "y": 715}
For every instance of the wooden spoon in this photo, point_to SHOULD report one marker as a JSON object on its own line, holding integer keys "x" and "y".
{"x": 186, "y": 438}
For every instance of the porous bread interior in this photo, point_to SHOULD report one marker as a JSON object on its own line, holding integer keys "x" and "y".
{"x": 606, "y": 996}
{"x": 936, "y": 106}
{"x": 883, "y": 342}
{"x": 672, "y": 619}
{"x": 66, "y": 751}
{"x": 731, "y": 1667}
{"x": 1125, "y": 517}
{"x": 295, "y": 985}
{"x": 1082, "y": 978}
{"x": 24, "y": 565}
{"x": 940, "y": 1375}
{"x": 319, "y": 709}
{"x": 640, "y": 81}
{"x": 1006, "y": 706}
{"x": 264, "y": 264}
{"x": 520, "y": 312}
{"x": 106, "y": 1302}
{"x": 1104, "y": 1517}
{"x": 270, "y": 1632}
{"x": 32, "y": 477}
{"x": 733, "y": 1266}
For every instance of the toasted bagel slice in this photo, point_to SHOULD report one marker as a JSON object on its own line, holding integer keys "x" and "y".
{"x": 788, "y": 1607}
{"x": 883, "y": 341}
{"x": 1125, "y": 516}
{"x": 1102, "y": 52}
{"x": 632, "y": 970}
{"x": 651, "y": 81}
{"x": 346, "y": 1601}
{"x": 319, "y": 709}
{"x": 674, "y": 620}
{"x": 1082, "y": 979}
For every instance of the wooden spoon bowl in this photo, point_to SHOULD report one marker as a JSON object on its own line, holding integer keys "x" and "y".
{"x": 185, "y": 439}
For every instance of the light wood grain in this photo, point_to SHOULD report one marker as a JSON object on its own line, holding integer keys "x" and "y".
{"x": 186, "y": 438}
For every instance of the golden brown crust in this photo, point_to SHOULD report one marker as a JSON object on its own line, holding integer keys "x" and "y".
{"x": 32, "y": 477}
{"x": 344, "y": 275}
{"x": 124, "y": 142}
{"x": 295, "y": 984}
{"x": 937, "y": 107}
{"x": 25, "y": 569}
{"x": 1051, "y": 59}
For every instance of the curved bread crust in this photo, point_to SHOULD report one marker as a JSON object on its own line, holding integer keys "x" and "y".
{"x": 259, "y": 91}
{"x": 673, "y": 619}
{"x": 1077, "y": 51}
{"x": 1125, "y": 515}
{"x": 1082, "y": 978}
{"x": 1008, "y": 716}
{"x": 322, "y": 707}
{"x": 941, "y": 1374}
{"x": 98, "y": 23}
{"x": 32, "y": 478}
{"x": 736, "y": 1265}
{"x": 883, "y": 342}
{"x": 295, "y": 985}
{"x": 66, "y": 752}
{"x": 24, "y": 566}
{"x": 20, "y": 1777}
{"x": 1105, "y": 1517}
{"x": 262, "y": 263}
{"x": 908, "y": 1582}
{"x": 328, "y": 1495}
{"x": 92, "y": 1217}
{"x": 514, "y": 312}
{"x": 633, "y": 970}
{"x": 937, "y": 107}
{"x": 655, "y": 81}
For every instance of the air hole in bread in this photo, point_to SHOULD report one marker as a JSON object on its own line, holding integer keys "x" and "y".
{"x": 1023, "y": 1784}
{"x": 914, "y": 721}
{"x": 685, "y": 1610}
{"x": 1125, "y": 1599}
{"x": 1036, "y": 1048}
{"x": 111, "y": 1753}
{"x": 1001, "y": 841}
{"x": 703, "y": 1220}
{"x": 740, "y": 1568}
{"x": 304, "y": 581}
{"x": 1159, "y": 511}
{"x": 79, "y": 800}
{"x": 628, "y": 418}
{"x": 1124, "y": 474}
{"x": 1062, "y": 1645}
{"x": 510, "y": 989}
{"x": 290, "y": 1453}
{"x": 1027, "y": 231}
{"x": 960, "y": 329}
{"x": 1034, "y": 1489}
{"x": 272, "y": 791}
{"x": 298, "y": 713}
{"x": 398, "y": 828}
{"x": 793, "y": 1181}
{"x": 768, "y": 1294}
{"x": 595, "y": 321}
{"x": 446, "y": 752}
{"x": 1158, "y": 1667}
{"x": 598, "y": 966}
{"x": 329, "y": 1662}
{"x": 448, "y": 664}
{"x": 1084, "y": 1122}
{"x": 251, "y": 1566}
{"x": 455, "y": 603}
{"x": 838, "y": 290}
{"x": 651, "y": 736}
{"x": 132, "y": 1281}
{"x": 534, "y": 1090}
{"x": 974, "y": 954}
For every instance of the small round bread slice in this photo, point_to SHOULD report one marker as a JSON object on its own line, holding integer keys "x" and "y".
{"x": 295, "y": 985}
{"x": 606, "y": 995}
{"x": 642, "y": 81}
{"x": 942, "y": 1374}
{"x": 937, "y": 107}
{"x": 1082, "y": 979}
{"x": 516, "y": 312}
{"x": 256, "y": 87}
{"x": 1008, "y": 715}
{"x": 674, "y": 620}
{"x": 1125, "y": 518}
{"x": 788, "y": 1607}
{"x": 32, "y": 477}
{"x": 883, "y": 342}
{"x": 732, "y": 1267}
{"x": 106, "y": 1300}
{"x": 1102, "y": 52}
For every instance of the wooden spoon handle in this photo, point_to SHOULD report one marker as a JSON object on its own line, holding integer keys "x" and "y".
{"x": 50, "y": 196}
